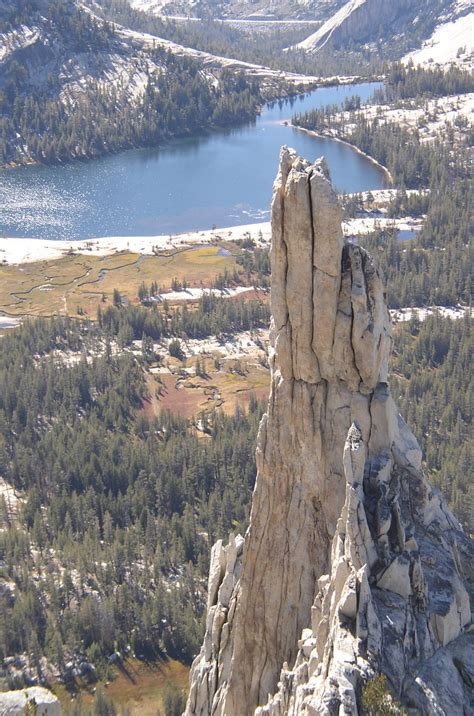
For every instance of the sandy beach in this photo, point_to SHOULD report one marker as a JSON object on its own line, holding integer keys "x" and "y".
{"x": 19, "y": 251}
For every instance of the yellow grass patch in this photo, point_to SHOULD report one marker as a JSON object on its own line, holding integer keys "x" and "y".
{"x": 80, "y": 283}
{"x": 137, "y": 685}
{"x": 188, "y": 396}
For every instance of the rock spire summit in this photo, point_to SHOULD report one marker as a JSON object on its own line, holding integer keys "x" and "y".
{"x": 352, "y": 564}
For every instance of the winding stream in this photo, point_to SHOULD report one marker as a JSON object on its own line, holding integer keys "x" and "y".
{"x": 223, "y": 178}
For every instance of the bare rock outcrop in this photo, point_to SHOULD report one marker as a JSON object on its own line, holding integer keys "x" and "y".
{"x": 357, "y": 21}
{"x": 34, "y": 700}
{"x": 352, "y": 564}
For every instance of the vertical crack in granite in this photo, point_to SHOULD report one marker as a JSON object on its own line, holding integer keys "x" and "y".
{"x": 352, "y": 563}
{"x": 310, "y": 202}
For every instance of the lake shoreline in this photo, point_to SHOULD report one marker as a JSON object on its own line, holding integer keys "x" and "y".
{"x": 186, "y": 185}
{"x": 313, "y": 84}
{"x": 17, "y": 251}
{"x": 335, "y": 138}
{"x": 28, "y": 250}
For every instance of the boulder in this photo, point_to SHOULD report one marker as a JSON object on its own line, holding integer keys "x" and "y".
{"x": 40, "y": 700}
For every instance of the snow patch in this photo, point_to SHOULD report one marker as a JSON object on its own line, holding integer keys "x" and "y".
{"x": 429, "y": 120}
{"x": 240, "y": 345}
{"x": 18, "y": 251}
{"x": 194, "y": 294}
{"x": 8, "y": 322}
{"x": 365, "y": 225}
{"x": 400, "y": 315}
{"x": 17, "y": 39}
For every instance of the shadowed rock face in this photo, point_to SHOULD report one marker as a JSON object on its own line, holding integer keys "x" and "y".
{"x": 364, "y": 21}
{"x": 352, "y": 565}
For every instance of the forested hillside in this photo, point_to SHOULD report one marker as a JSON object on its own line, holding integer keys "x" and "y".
{"x": 109, "y": 542}
{"x": 434, "y": 268}
{"x": 271, "y": 44}
{"x": 210, "y": 34}
{"x": 175, "y": 103}
{"x": 270, "y": 9}
{"x": 102, "y": 88}
{"x": 432, "y": 384}
{"x": 107, "y": 545}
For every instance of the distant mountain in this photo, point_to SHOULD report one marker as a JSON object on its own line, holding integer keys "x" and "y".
{"x": 405, "y": 25}
{"x": 249, "y": 9}
{"x": 439, "y": 31}
{"x": 451, "y": 40}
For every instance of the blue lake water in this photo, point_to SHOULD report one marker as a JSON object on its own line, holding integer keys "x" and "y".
{"x": 223, "y": 178}
{"x": 407, "y": 234}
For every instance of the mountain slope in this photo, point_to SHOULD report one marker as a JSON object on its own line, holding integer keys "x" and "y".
{"x": 451, "y": 40}
{"x": 407, "y": 23}
{"x": 250, "y": 9}
{"x": 72, "y": 85}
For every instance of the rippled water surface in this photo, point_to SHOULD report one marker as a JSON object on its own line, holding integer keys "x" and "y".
{"x": 223, "y": 179}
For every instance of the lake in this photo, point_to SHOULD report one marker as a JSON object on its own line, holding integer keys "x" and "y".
{"x": 223, "y": 178}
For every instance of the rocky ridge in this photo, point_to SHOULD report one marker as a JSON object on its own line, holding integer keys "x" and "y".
{"x": 352, "y": 564}
{"x": 237, "y": 9}
{"x": 126, "y": 63}
{"x": 440, "y": 27}
{"x": 355, "y": 22}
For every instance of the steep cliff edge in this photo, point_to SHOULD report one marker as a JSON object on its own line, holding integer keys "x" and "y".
{"x": 352, "y": 564}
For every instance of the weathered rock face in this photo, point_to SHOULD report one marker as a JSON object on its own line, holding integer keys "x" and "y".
{"x": 352, "y": 564}
{"x": 35, "y": 700}
{"x": 362, "y": 20}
